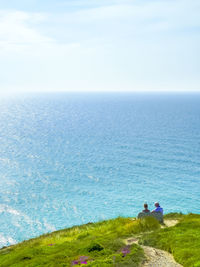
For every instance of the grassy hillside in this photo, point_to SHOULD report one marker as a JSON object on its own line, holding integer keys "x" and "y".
{"x": 102, "y": 244}
{"x": 99, "y": 244}
{"x": 182, "y": 240}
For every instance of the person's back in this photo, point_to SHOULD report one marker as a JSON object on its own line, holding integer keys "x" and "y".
{"x": 146, "y": 210}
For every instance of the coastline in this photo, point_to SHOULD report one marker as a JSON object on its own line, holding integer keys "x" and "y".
{"x": 102, "y": 242}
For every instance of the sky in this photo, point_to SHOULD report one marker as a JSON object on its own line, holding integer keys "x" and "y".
{"x": 99, "y": 45}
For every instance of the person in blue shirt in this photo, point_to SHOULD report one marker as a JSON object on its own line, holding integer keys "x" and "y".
{"x": 158, "y": 208}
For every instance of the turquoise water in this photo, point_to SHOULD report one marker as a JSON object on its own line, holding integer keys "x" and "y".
{"x": 68, "y": 159}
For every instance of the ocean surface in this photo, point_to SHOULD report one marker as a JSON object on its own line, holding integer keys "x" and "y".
{"x": 69, "y": 159}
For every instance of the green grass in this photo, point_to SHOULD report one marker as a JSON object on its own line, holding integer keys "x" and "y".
{"x": 173, "y": 216}
{"x": 182, "y": 240}
{"x": 101, "y": 242}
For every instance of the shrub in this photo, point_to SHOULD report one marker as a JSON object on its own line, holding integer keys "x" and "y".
{"x": 95, "y": 247}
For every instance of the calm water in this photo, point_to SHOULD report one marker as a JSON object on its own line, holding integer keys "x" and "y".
{"x": 71, "y": 159}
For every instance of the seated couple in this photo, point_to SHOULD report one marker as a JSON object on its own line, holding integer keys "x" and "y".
{"x": 157, "y": 209}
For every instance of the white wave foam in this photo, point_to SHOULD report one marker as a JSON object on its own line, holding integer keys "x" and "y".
{"x": 5, "y": 160}
{"x": 93, "y": 178}
{"x": 5, "y": 208}
{"x": 26, "y": 218}
{"x": 6, "y": 240}
{"x": 49, "y": 227}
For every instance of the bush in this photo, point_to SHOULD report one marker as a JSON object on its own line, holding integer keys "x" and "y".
{"x": 95, "y": 247}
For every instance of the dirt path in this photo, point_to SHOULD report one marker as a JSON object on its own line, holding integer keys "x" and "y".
{"x": 156, "y": 257}
{"x": 170, "y": 223}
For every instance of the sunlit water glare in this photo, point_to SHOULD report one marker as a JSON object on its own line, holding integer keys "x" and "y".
{"x": 72, "y": 159}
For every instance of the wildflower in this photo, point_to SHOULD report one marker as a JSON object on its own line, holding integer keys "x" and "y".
{"x": 75, "y": 262}
{"x": 125, "y": 251}
{"x": 83, "y": 262}
{"x": 83, "y": 258}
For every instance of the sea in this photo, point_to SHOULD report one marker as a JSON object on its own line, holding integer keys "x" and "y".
{"x": 72, "y": 158}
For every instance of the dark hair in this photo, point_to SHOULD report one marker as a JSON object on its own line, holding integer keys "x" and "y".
{"x": 145, "y": 205}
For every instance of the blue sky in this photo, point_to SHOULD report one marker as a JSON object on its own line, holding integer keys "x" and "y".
{"x": 93, "y": 45}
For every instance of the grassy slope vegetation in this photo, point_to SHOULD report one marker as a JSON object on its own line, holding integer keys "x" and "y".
{"x": 98, "y": 244}
{"x": 182, "y": 240}
{"x": 101, "y": 244}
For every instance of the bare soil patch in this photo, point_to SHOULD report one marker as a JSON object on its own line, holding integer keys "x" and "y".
{"x": 156, "y": 257}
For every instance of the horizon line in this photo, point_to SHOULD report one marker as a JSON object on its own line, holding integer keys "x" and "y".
{"x": 98, "y": 92}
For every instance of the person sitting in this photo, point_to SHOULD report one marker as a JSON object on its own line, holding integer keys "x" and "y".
{"x": 157, "y": 213}
{"x": 158, "y": 208}
{"x": 146, "y": 210}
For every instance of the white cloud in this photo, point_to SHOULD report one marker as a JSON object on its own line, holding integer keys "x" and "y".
{"x": 110, "y": 20}
{"x": 118, "y": 21}
{"x": 183, "y": 12}
{"x": 17, "y": 28}
{"x": 130, "y": 45}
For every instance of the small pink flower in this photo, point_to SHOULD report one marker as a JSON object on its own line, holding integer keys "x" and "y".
{"x": 75, "y": 263}
{"x": 125, "y": 251}
{"x": 83, "y": 258}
